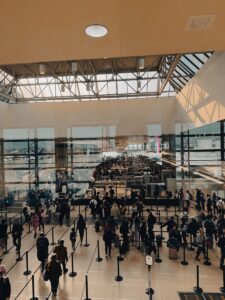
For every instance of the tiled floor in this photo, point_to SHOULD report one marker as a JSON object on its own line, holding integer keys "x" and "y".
{"x": 167, "y": 278}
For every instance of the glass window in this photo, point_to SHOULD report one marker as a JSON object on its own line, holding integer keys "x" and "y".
{"x": 46, "y": 147}
{"x": 45, "y": 133}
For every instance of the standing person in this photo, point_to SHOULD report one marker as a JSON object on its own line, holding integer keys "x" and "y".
{"x": 2, "y": 267}
{"x": 5, "y": 287}
{"x": 17, "y": 231}
{"x": 81, "y": 226}
{"x": 55, "y": 271}
{"x": 93, "y": 207}
{"x": 221, "y": 244}
{"x": 61, "y": 254}
{"x": 200, "y": 243}
{"x": 3, "y": 233}
{"x": 73, "y": 237}
{"x": 42, "y": 250}
{"x": 214, "y": 202}
{"x": 108, "y": 239}
{"x": 198, "y": 199}
{"x": 187, "y": 199}
{"x": 35, "y": 223}
{"x": 202, "y": 201}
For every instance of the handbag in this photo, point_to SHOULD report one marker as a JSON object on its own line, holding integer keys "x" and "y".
{"x": 46, "y": 275}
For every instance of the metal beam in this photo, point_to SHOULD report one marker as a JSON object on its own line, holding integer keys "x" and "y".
{"x": 170, "y": 72}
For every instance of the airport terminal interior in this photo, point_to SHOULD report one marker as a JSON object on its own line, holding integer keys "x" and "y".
{"x": 112, "y": 149}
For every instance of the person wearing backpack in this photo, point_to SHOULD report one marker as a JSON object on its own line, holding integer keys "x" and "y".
{"x": 42, "y": 250}
{"x": 5, "y": 287}
{"x": 54, "y": 272}
{"x": 61, "y": 254}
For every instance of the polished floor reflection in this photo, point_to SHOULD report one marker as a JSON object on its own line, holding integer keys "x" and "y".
{"x": 167, "y": 278}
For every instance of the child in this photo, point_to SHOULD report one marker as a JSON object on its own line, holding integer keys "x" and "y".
{"x": 73, "y": 237}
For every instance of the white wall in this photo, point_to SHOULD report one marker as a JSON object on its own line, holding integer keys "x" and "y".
{"x": 202, "y": 100}
{"x": 130, "y": 116}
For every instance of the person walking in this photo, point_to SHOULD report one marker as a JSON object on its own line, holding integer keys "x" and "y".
{"x": 54, "y": 272}
{"x": 35, "y": 223}
{"x": 5, "y": 287}
{"x": 42, "y": 250}
{"x": 73, "y": 237}
{"x": 61, "y": 254}
{"x": 200, "y": 243}
{"x": 108, "y": 239}
{"x": 17, "y": 231}
{"x": 81, "y": 226}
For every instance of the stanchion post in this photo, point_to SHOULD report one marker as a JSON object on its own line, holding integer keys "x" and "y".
{"x": 149, "y": 291}
{"x": 159, "y": 216}
{"x": 86, "y": 287}
{"x": 197, "y": 289}
{"x": 206, "y": 261}
{"x": 222, "y": 289}
{"x": 27, "y": 272}
{"x": 118, "y": 277}
{"x": 21, "y": 218}
{"x": 184, "y": 262}
{"x": 10, "y": 226}
{"x": 161, "y": 233}
{"x": 85, "y": 213}
{"x": 86, "y": 242}
{"x": 33, "y": 290}
{"x": 98, "y": 259}
{"x": 72, "y": 273}
{"x": 53, "y": 240}
{"x": 158, "y": 259}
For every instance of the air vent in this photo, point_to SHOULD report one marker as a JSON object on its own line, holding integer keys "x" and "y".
{"x": 200, "y": 22}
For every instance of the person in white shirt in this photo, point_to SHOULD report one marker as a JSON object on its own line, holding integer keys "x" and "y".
{"x": 187, "y": 199}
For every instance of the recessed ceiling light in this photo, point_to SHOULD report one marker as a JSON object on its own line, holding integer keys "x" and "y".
{"x": 96, "y": 30}
{"x": 200, "y": 22}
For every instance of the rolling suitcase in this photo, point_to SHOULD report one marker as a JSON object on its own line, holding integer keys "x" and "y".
{"x": 172, "y": 253}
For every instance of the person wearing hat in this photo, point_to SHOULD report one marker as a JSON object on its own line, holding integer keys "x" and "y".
{"x": 54, "y": 272}
{"x": 5, "y": 287}
{"x": 61, "y": 254}
{"x": 42, "y": 250}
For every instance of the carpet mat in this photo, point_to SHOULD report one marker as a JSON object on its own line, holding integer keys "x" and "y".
{"x": 204, "y": 296}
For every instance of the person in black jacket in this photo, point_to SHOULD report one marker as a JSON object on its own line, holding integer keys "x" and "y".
{"x": 42, "y": 250}
{"x": 81, "y": 226}
{"x": 17, "y": 231}
{"x": 3, "y": 233}
{"x": 170, "y": 224}
{"x": 55, "y": 271}
{"x": 108, "y": 237}
{"x": 5, "y": 287}
{"x": 221, "y": 244}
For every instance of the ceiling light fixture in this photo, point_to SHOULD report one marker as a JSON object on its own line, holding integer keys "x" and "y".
{"x": 96, "y": 30}
{"x": 141, "y": 63}
{"x": 42, "y": 69}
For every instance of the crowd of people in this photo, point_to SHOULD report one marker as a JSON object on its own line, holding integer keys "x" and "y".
{"x": 200, "y": 223}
